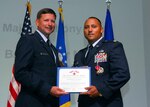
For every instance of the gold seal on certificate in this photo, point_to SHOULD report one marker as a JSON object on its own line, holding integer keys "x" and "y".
{"x": 73, "y": 79}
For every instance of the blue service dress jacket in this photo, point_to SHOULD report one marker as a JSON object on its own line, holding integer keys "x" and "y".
{"x": 109, "y": 72}
{"x": 35, "y": 70}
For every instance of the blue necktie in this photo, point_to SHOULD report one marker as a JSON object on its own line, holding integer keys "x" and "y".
{"x": 89, "y": 53}
{"x": 51, "y": 50}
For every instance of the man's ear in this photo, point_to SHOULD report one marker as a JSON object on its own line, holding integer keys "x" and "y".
{"x": 102, "y": 30}
{"x": 37, "y": 22}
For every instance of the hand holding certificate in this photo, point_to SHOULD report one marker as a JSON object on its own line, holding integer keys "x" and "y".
{"x": 73, "y": 79}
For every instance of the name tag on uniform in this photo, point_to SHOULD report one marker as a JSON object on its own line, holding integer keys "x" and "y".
{"x": 43, "y": 53}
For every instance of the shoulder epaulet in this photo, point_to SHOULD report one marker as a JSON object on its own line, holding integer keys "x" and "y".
{"x": 110, "y": 41}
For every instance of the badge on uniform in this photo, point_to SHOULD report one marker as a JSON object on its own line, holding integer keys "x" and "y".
{"x": 101, "y": 56}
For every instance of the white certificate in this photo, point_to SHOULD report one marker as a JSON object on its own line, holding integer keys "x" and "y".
{"x": 74, "y": 79}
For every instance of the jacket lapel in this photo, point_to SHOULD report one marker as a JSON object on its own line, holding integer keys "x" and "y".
{"x": 45, "y": 46}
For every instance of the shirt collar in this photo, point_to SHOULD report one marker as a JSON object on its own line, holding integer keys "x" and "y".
{"x": 95, "y": 43}
{"x": 42, "y": 35}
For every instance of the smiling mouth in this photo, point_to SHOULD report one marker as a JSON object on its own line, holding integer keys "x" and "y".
{"x": 50, "y": 28}
{"x": 90, "y": 34}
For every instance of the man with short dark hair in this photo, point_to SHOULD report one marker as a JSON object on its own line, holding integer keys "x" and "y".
{"x": 36, "y": 62}
{"x": 109, "y": 68}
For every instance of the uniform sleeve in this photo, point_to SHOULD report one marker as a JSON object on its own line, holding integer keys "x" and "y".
{"x": 79, "y": 59}
{"x": 23, "y": 74}
{"x": 119, "y": 71}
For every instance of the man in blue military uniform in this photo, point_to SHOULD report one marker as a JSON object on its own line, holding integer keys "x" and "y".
{"x": 36, "y": 65}
{"x": 109, "y": 68}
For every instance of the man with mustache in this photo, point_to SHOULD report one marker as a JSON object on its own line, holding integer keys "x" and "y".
{"x": 109, "y": 68}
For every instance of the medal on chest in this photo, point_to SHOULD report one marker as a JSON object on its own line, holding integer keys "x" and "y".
{"x": 99, "y": 69}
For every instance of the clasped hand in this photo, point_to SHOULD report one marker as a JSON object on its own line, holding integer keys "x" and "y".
{"x": 91, "y": 91}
